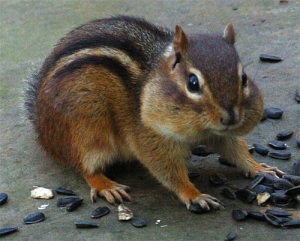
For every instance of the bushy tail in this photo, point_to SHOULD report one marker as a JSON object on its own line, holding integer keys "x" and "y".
{"x": 30, "y": 99}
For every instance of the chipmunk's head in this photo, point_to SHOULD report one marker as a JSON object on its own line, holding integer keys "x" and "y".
{"x": 200, "y": 85}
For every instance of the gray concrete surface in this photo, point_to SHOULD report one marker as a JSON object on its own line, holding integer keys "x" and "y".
{"x": 29, "y": 29}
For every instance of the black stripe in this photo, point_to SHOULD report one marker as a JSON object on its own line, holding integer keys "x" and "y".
{"x": 111, "y": 64}
{"x": 97, "y": 42}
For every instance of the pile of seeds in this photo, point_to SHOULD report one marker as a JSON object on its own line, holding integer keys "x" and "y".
{"x": 71, "y": 202}
{"x": 277, "y": 218}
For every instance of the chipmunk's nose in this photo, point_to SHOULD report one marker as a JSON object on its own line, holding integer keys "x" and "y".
{"x": 229, "y": 117}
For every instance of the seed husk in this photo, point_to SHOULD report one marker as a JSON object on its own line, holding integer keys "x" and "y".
{"x": 41, "y": 193}
{"x": 35, "y": 217}
{"x": 217, "y": 179}
{"x": 64, "y": 201}
{"x": 260, "y": 149}
{"x": 100, "y": 212}
{"x": 262, "y": 198}
{"x": 3, "y": 198}
{"x": 282, "y": 155}
{"x": 292, "y": 224}
{"x": 86, "y": 224}
{"x": 197, "y": 209}
{"x": 124, "y": 213}
{"x": 293, "y": 192}
{"x": 138, "y": 222}
{"x": 256, "y": 215}
{"x": 245, "y": 195}
{"x": 251, "y": 149}
{"x": 74, "y": 205}
{"x": 269, "y": 58}
{"x": 230, "y": 236}
{"x": 229, "y": 193}
{"x": 64, "y": 191}
{"x": 8, "y": 230}
{"x": 283, "y": 135}
{"x": 239, "y": 214}
{"x": 278, "y": 213}
{"x": 273, "y": 112}
{"x": 278, "y": 145}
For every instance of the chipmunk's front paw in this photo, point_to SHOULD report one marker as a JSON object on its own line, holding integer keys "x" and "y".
{"x": 206, "y": 203}
{"x": 114, "y": 194}
{"x": 263, "y": 167}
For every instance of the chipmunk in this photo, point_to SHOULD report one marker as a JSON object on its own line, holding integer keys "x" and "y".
{"x": 122, "y": 88}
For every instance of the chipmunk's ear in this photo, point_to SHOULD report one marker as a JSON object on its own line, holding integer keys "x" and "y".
{"x": 229, "y": 34}
{"x": 179, "y": 45}
{"x": 180, "y": 42}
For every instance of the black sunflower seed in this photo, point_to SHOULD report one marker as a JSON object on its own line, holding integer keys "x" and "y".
{"x": 273, "y": 112}
{"x": 8, "y": 230}
{"x": 297, "y": 95}
{"x": 275, "y": 221}
{"x": 292, "y": 224}
{"x": 201, "y": 150}
{"x": 64, "y": 191}
{"x": 230, "y": 236}
{"x": 278, "y": 145}
{"x": 282, "y": 155}
{"x": 282, "y": 184}
{"x": 229, "y": 193}
{"x": 3, "y": 198}
{"x": 196, "y": 208}
{"x": 239, "y": 214}
{"x": 262, "y": 188}
{"x": 280, "y": 199}
{"x": 257, "y": 180}
{"x": 34, "y": 218}
{"x": 293, "y": 192}
{"x": 64, "y": 201}
{"x": 256, "y": 215}
{"x": 293, "y": 179}
{"x": 138, "y": 222}
{"x": 245, "y": 195}
{"x": 74, "y": 205}
{"x": 268, "y": 178}
{"x": 283, "y": 135}
{"x": 269, "y": 58}
{"x": 86, "y": 224}
{"x": 260, "y": 149}
{"x": 100, "y": 212}
{"x": 296, "y": 167}
{"x": 278, "y": 213}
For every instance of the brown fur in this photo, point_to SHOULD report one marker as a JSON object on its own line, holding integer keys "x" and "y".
{"x": 117, "y": 89}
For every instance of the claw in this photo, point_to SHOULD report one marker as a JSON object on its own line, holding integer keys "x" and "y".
{"x": 271, "y": 170}
{"x": 113, "y": 195}
{"x": 206, "y": 202}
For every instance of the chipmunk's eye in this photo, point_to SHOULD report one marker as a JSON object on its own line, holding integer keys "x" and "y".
{"x": 193, "y": 83}
{"x": 244, "y": 79}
